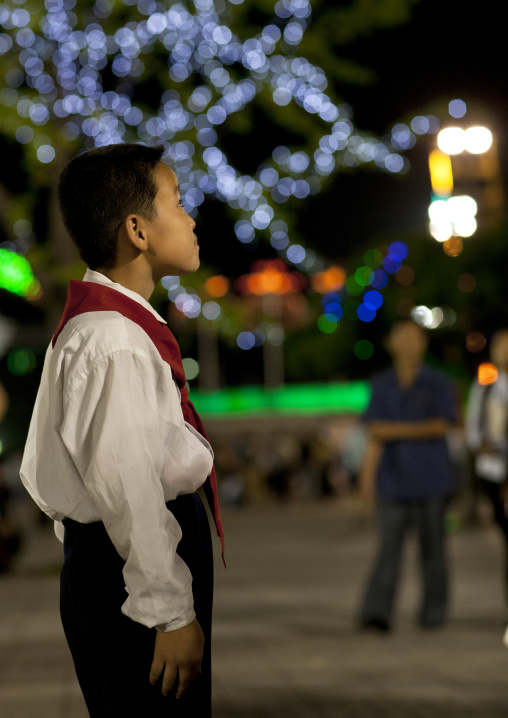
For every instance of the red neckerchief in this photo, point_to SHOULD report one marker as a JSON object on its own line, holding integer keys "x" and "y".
{"x": 92, "y": 297}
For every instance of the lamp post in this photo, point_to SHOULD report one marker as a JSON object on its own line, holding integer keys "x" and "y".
{"x": 464, "y": 172}
{"x": 207, "y": 338}
{"x": 272, "y": 282}
{"x": 208, "y": 353}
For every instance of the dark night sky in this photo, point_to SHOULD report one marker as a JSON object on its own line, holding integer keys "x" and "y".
{"x": 448, "y": 49}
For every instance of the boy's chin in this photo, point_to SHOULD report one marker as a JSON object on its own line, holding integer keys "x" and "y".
{"x": 181, "y": 271}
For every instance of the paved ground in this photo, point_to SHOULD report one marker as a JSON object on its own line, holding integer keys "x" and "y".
{"x": 285, "y": 638}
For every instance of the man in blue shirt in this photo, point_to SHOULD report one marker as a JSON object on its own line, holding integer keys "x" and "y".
{"x": 408, "y": 471}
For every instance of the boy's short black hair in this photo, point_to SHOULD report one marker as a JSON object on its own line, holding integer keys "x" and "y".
{"x": 98, "y": 189}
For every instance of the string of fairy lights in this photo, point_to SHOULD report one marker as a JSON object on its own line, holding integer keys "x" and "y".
{"x": 55, "y": 59}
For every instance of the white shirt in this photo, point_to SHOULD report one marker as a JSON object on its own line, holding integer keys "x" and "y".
{"x": 495, "y": 414}
{"x": 108, "y": 442}
{"x": 487, "y": 424}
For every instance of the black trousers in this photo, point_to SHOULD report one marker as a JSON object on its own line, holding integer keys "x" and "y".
{"x": 112, "y": 654}
{"x": 394, "y": 519}
{"x": 495, "y": 493}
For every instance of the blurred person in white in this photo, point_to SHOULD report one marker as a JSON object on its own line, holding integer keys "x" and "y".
{"x": 116, "y": 452}
{"x": 487, "y": 438}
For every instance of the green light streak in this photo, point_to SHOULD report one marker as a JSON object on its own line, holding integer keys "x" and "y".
{"x": 350, "y": 398}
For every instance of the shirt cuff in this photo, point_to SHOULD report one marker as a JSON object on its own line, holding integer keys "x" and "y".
{"x": 59, "y": 529}
{"x": 177, "y": 623}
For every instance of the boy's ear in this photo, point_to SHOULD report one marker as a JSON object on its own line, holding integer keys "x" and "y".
{"x": 133, "y": 226}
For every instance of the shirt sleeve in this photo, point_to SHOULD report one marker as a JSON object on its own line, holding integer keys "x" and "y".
{"x": 111, "y": 429}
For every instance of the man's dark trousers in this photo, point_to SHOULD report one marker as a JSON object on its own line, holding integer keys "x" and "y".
{"x": 496, "y": 495}
{"x": 113, "y": 654}
{"x": 394, "y": 519}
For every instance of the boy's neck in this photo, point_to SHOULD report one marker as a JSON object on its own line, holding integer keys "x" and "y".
{"x": 131, "y": 278}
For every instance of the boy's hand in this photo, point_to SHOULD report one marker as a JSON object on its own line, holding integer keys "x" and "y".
{"x": 178, "y": 654}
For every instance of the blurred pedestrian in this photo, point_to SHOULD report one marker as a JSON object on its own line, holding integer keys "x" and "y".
{"x": 116, "y": 451}
{"x": 407, "y": 471}
{"x": 487, "y": 437}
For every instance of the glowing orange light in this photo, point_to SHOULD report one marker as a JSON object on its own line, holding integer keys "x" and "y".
{"x": 217, "y": 286}
{"x": 271, "y": 277}
{"x": 487, "y": 374}
{"x": 269, "y": 281}
{"x": 332, "y": 279}
{"x": 453, "y": 246}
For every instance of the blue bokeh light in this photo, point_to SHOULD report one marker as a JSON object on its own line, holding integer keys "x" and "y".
{"x": 391, "y": 263}
{"x": 457, "y": 108}
{"x": 330, "y": 297}
{"x": 380, "y": 279}
{"x": 246, "y": 340}
{"x": 366, "y": 313}
{"x": 296, "y": 254}
{"x": 398, "y": 250}
{"x": 373, "y": 299}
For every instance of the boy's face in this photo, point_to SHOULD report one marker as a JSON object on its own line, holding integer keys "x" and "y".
{"x": 172, "y": 245}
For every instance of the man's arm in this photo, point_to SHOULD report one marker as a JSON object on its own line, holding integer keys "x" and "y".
{"x": 386, "y": 431}
{"x": 368, "y": 471}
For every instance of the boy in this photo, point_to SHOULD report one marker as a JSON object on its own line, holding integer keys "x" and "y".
{"x": 110, "y": 454}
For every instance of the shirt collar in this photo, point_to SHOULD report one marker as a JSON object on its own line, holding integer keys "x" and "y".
{"x": 98, "y": 278}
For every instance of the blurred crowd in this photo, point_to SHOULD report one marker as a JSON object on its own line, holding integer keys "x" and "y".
{"x": 321, "y": 464}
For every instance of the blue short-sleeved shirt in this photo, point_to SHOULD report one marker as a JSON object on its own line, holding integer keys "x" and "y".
{"x": 413, "y": 469}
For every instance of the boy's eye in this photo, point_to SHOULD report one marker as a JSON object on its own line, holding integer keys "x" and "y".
{"x": 180, "y": 203}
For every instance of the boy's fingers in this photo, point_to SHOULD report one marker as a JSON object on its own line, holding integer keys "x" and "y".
{"x": 170, "y": 676}
{"x": 156, "y": 670}
{"x": 184, "y": 680}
